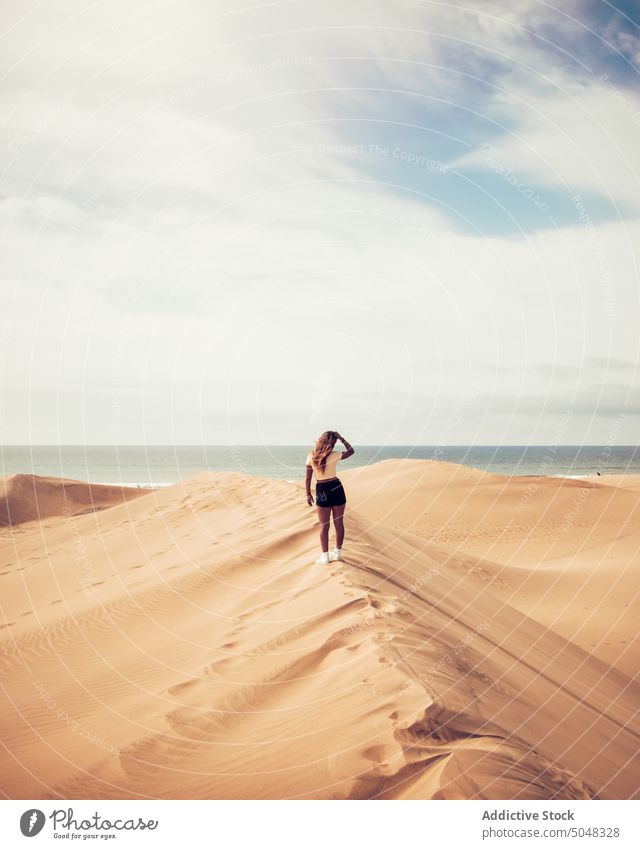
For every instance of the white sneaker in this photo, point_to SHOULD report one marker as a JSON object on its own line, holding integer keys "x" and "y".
{"x": 324, "y": 558}
{"x": 336, "y": 554}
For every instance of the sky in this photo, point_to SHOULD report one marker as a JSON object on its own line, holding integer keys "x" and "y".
{"x": 413, "y": 222}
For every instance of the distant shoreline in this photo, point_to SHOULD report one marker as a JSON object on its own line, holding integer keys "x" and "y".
{"x": 154, "y": 467}
{"x": 154, "y": 485}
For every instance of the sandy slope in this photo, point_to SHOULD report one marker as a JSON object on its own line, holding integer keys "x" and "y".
{"x": 25, "y": 498}
{"x": 631, "y": 482}
{"x": 564, "y": 551}
{"x": 182, "y": 645}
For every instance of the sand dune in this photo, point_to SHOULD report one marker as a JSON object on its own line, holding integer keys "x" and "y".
{"x": 564, "y": 551}
{"x": 182, "y": 645}
{"x": 625, "y": 481}
{"x": 25, "y": 498}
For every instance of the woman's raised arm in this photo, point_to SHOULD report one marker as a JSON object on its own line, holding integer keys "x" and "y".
{"x": 350, "y": 450}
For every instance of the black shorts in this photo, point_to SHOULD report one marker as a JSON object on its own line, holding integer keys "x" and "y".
{"x": 330, "y": 494}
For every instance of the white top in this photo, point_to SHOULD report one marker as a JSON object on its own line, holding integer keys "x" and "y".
{"x": 330, "y": 466}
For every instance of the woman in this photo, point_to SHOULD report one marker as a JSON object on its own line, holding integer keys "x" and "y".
{"x": 330, "y": 497}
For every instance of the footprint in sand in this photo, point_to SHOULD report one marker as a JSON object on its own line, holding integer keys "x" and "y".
{"x": 377, "y": 754}
{"x": 381, "y": 757}
{"x": 385, "y": 605}
{"x": 178, "y": 689}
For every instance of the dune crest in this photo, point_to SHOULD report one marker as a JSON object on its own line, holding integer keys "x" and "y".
{"x": 183, "y": 645}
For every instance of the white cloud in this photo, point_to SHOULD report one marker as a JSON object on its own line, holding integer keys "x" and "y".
{"x": 186, "y": 258}
{"x": 579, "y": 138}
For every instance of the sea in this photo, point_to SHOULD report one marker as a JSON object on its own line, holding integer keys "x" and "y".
{"x": 163, "y": 465}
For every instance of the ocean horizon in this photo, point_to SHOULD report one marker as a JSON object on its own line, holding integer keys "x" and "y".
{"x": 163, "y": 465}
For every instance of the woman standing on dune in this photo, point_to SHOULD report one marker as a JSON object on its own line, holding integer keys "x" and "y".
{"x": 330, "y": 495}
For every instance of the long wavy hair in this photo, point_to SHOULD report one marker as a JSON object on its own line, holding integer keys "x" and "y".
{"x": 323, "y": 447}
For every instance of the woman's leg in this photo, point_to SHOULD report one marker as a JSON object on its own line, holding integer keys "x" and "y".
{"x": 324, "y": 517}
{"x": 338, "y": 522}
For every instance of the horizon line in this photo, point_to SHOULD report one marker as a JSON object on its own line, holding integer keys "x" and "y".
{"x": 305, "y": 444}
